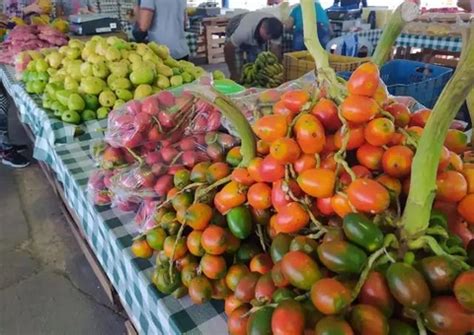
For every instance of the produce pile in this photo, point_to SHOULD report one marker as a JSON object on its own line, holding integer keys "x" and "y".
{"x": 33, "y": 37}
{"x": 265, "y": 72}
{"x": 84, "y": 80}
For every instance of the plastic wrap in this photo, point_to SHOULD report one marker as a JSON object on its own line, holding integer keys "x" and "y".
{"x": 97, "y": 189}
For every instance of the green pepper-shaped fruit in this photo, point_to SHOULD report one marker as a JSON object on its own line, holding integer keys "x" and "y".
{"x": 260, "y": 322}
{"x": 342, "y": 257}
{"x": 280, "y": 246}
{"x": 362, "y": 231}
{"x": 239, "y": 220}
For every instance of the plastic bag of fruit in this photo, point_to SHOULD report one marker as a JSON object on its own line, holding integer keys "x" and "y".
{"x": 97, "y": 189}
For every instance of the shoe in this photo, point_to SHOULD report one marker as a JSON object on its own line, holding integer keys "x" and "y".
{"x": 14, "y": 159}
{"x": 19, "y": 147}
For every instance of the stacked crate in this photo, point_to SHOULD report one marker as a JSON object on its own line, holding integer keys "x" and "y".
{"x": 214, "y": 28}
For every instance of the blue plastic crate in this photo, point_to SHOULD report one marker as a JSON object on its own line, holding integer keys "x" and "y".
{"x": 422, "y": 81}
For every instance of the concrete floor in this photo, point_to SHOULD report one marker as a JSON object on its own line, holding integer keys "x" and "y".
{"x": 46, "y": 284}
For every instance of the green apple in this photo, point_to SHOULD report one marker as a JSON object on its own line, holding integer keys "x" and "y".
{"x": 63, "y": 97}
{"x": 71, "y": 84}
{"x": 176, "y": 81}
{"x": 38, "y": 86}
{"x": 124, "y": 94}
{"x": 86, "y": 69}
{"x": 118, "y": 83}
{"x": 163, "y": 82}
{"x": 107, "y": 98}
{"x": 143, "y": 91}
{"x": 176, "y": 71}
{"x": 73, "y": 53}
{"x": 52, "y": 88}
{"x": 46, "y": 100}
{"x": 92, "y": 102}
{"x": 102, "y": 113}
{"x": 100, "y": 70}
{"x": 88, "y": 115}
{"x": 92, "y": 85}
{"x": 71, "y": 117}
{"x": 76, "y": 103}
{"x": 112, "y": 54}
{"x": 187, "y": 77}
{"x": 118, "y": 103}
{"x": 143, "y": 75}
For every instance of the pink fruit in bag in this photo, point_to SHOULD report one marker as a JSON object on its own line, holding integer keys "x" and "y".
{"x": 147, "y": 178}
{"x": 129, "y": 157}
{"x": 108, "y": 180}
{"x": 134, "y": 107}
{"x": 191, "y": 158}
{"x": 187, "y": 143}
{"x": 175, "y": 168}
{"x": 150, "y": 106}
{"x": 214, "y": 121}
{"x": 166, "y": 99}
{"x": 168, "y": 154}
{"x": 142, "y": 121}
{"x": 215, "y": 152}
{"x": 112, "y": 157}
{"x": 200, "y": 124}
{"x": 163, "y": 185}
{"x": 158, "y": 169}
{"x": 153, "y": 157}
{"x": 165, "y": 119}
{"x": 154, "y": 135}
{"x": 226, "y": 141}
{"x": 125, "y": 205}
{"x": 133, "y": 140}
{"x": 102, "y": 198}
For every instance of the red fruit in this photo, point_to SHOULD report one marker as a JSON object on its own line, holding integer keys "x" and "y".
{"x": 265, "y": 288}
{"x": 305, "y": 162}
{"x": 288, "y": 318}
{"x": 133, "y": 140}
{"x": 237, "y": 321}
{"x": 294, "y": 100}
{"x": 375, "y": 292}
{"x": 142, "y": 121}
{"x": 364, "y": 80}
{"x": 166, "y": 99}
{"x": 360, "y": 172}
{"x": 368, "y": 196}
{"x": 134, "y": 107}
{"x": 326, "y": 112}
{"x": 187, "y": 143}
{"x": 400, "y": 112}
{"x": 153, "y": 157}
{"x": 113, "y": 156}
{"x": 359, "y": 109}
{"x": 191, "y": 158}
{"x": 291, "y": 218}
{"x": 271, "y": 170}
{"x": 163, "y": 185}
{"x": 150, "y": 106}
{"x": 419, "y": 118}
{"x": 166, "y": 120}
{"x": 280, "y": 198}
{"x": 324, "y": 206}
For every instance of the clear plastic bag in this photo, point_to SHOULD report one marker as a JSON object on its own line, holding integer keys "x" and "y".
{"x": 97, "y": 189}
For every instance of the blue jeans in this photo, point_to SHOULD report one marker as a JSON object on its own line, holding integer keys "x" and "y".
{"x": 324, "y": 35}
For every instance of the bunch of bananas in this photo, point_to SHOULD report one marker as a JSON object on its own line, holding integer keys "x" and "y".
{"x": 265, "y": 72}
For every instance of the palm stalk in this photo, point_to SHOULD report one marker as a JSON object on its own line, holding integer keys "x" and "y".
{"x": 415, "y": 219}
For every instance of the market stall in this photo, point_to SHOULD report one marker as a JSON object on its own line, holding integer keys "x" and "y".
{"x": 207, "y": 208}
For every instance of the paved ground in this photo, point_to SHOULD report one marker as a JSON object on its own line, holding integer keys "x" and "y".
{"x": 46, "y": 284}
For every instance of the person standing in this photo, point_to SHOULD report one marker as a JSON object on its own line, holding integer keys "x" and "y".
{"x": 248, "y": 33}
{"x": 164, "y": 20}
{"x": 296, "y": 21}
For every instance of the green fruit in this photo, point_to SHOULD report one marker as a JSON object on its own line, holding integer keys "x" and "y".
{"x": 41, "y": 65}
{"x": 362, "y": 231}
{"x": 300, "y": 269}
{"x": 156, "y": 238}
{"x": 408, "y": 286}
{"x": 88, "y": 115}
{"x": 143, "y": 91}
{"x": 100, "y": 70}
{"x": 247, "y": 251}
{"x": 218, "y": 75}
{"x": 280, "y": 246}
{"x": 71, "y": 84}
{"x": 342, "y": 257}
{"x": 143, "y": 75}
{"x": 304, "y": 244}
{"x": 91, "y": 85}
{"x": 71, "y": 117}
{"x": 187, "y": 77}
{"x": 86, "y": 69}
{"x": 171, "y": 62}
{"x": 38, "y": 86}
{"x": 63, "y": 97}
{"x": 163, "y": 82}
{"x": 239, "y": 220}
{"x": 164, "y": 70}
{"x": 282, "y": 294}
{"x": 54, "y": 59}
{"x": 161, "y": 50}
{"x": 46, "y": 101}
{"x": 73, "y": 53}
{"x": 102, "y": 113}
{"x": 120, "y": 83}
{"x": 91, "y": 101}
{"x": 124, "y": 94}
{"x": 401, "y": 328}
{"x": 42, "y": 76}
{"x": 440, "y": 272}
{"x": 112, "y": 54}
{"x": 164, "y": 282}
{"x": 119, "y": 69}
{"x": 118, "y": 103}
{"x": 75, "y": 102}
{"x": 57, "y": 107}
{"x": 260, "y": 322}
{"x": 176, "y": 81}
{"x": 107, "y": 99}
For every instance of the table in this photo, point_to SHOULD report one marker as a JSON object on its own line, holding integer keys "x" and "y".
{"x": 445, "y": 43}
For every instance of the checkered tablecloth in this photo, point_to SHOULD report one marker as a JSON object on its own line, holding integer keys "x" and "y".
{"x": 110, "y": 236}
{"x": 452, "y": 44}
{"x": 191, "y": 39}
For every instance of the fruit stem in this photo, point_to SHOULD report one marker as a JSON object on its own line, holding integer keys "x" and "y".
{"x": 215, "y": 185}
{"x": 420, "y": 325}
{"x": 417, "y": 212}
{"x": 261, "y": 237}
{"x": 135, "y": 156}
{"x": 406, "y": 12}
{"x": 178, "y": 237}
{"x": 187, "y": 188}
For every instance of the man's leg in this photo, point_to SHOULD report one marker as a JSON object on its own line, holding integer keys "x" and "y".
{"x": 8, "y": 153}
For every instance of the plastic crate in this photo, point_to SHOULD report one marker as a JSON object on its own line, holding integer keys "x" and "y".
{"x": 299, "y": 63}
{"x": 424, "y": 82}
